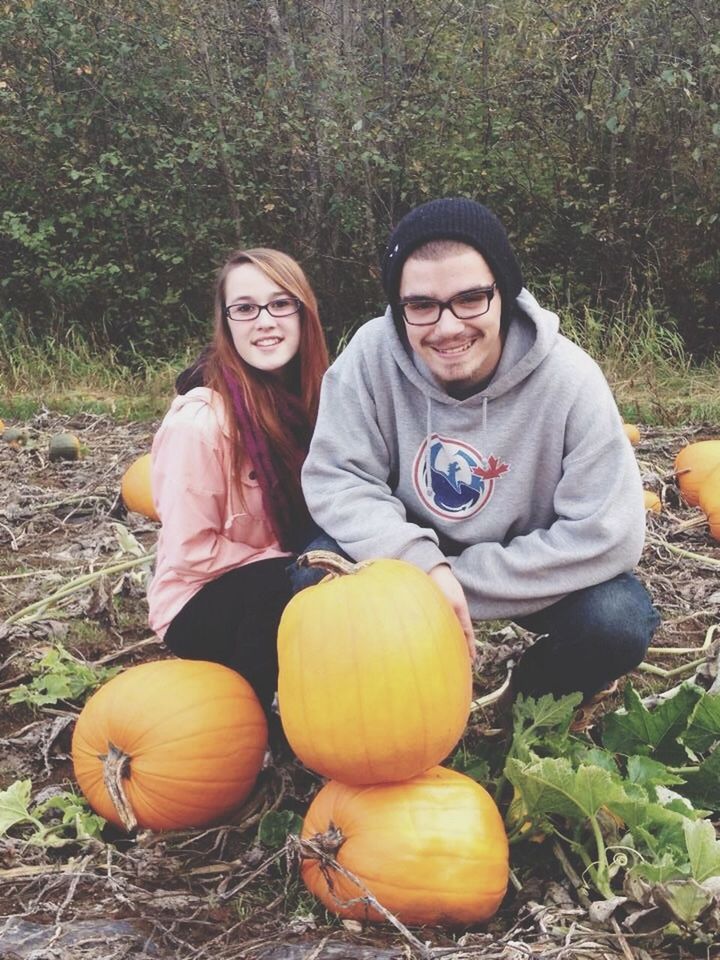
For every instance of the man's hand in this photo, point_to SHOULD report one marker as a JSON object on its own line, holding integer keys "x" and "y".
{"x": 445, "y": 579}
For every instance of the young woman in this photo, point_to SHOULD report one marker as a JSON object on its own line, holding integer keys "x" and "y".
{"x": 226, "y": 471}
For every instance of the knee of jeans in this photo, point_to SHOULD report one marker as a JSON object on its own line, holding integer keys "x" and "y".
{"x": 623, "y": 624}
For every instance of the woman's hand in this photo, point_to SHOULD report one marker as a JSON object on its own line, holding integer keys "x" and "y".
{"x": 450, "y": 586}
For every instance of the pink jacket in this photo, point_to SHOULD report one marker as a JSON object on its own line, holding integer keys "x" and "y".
{"x": 206, "y": 530}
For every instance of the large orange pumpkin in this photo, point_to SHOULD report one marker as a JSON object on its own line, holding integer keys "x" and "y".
{"x": 694, "y": 462}
{"x": 375, "y": 679}
{"x": 432, "y": 850}
{"x": 169, "y": 744}
{"x": 709, "y": 497}
{"x": 136, "y": 490}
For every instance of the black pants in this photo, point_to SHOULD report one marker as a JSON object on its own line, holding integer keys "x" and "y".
{"x": 234, "y": 621}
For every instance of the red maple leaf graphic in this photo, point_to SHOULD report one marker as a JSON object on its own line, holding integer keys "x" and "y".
{"x": 495, "y": 468}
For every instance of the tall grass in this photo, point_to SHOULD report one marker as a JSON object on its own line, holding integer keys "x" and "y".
{"x": 69, "y": 374}
{"x": 652, "y": 377}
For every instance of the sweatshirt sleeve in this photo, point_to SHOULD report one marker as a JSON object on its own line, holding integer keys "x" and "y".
{"x": 346, "y": 473}
{"x": 599, "y": 528}
{"x": 190, "y": 490}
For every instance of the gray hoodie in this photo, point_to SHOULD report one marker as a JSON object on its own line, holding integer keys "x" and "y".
{"x": 529, "y": 488}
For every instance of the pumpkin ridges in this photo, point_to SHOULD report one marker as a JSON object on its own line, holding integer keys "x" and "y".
{"x": 365, "y": 682}
{"x": 191, "y": 777}
{"x": 450, "y": 864}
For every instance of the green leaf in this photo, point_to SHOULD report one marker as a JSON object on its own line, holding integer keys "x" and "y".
{"x": 14, "y": 803}
{"x": 544, "y": 721}
{"x": 78, "y": 820}
{"x": 640, "y": 731}
{"x": 651, "y": 773}
{"x": 276, "y": 825}
{"x": 704, "y": 727}
{"x": 702, "y": 786}
{"x": 703, "y": 849}
{"x": 552, "y": 786}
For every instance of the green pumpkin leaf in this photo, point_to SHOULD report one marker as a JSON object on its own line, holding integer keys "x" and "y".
{"x": 642, "y": 732}
{"x": 703, "y": 849}
{"x": 651, "y": 773}
{"x": 552, "y": 786}
{"x": 704, "y": 727}
{"x": 702, "y": 786}
{"x": 275, "y": 827}
{"x": 14, "y": 804}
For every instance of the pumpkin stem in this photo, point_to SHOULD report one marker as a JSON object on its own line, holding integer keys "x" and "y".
{"x": 329, "y": 842}
{"x": 116, "y": 768}
{"x": 335, "y": 565}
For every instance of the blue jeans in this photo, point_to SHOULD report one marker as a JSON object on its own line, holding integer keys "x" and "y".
{"x": 301, "y": 577}
{"x": 587, "y": 639}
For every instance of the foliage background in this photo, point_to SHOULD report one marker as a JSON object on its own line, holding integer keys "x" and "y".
{"x": 140, "y": 142}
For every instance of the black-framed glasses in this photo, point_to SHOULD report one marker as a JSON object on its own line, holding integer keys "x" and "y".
{"x": 279, "y": 307}
{"x": 424, "y": 311}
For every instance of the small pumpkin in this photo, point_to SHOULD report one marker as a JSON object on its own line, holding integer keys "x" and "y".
{"x": 2, "y": 425}
{"x": 15, "y": 437}
{"x": 652, "y": 501}
{"x": 375, "y": 682}
{"x": 709, "y": 501}
{"x": 169, "y": 744}
{"x": 432, "y": 850}
{"x": 64, "y": 446}
{"x": 136, "y": 489}
{"x": 632, "y": 432}
{"x": 692, "y": 465}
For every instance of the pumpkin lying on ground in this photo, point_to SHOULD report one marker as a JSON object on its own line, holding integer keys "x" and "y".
{"x": 169, "y": 744}
{"x": 64, "y": 446}
{"x": 15, "y": 437}
{"x": 693, "y": 464}
{"x": 432, "y": 850}
{"x": 374, "y": 673}
{"x": 709, "y": 501}
{"x": 136, "y": 490}
{"x": 652, "y": 501}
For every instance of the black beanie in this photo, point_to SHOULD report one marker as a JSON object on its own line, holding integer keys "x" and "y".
{"x": 453, "y": 218}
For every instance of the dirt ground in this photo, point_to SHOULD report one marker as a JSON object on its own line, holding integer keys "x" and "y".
{"x": 218, "y": 892}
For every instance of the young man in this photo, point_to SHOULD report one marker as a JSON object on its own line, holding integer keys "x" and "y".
{"x": 463, "y": 433}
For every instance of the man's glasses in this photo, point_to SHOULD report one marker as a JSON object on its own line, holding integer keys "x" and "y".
{"x": 280, "y": 307}
{"x": 424, "y": 311}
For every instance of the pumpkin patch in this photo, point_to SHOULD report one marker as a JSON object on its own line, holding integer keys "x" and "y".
{"x": 169, "y": 744}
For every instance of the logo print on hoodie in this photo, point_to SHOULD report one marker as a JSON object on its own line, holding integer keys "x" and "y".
{"x": 452, "y": 479}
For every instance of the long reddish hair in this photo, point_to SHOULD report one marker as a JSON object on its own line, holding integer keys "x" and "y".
{"x": 260, "y": 389}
